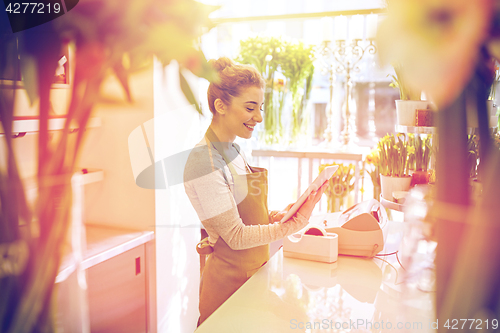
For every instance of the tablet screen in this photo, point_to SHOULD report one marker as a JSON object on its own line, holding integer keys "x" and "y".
{"x": 325, "y": 175}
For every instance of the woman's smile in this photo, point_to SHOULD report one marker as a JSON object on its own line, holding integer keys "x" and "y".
{"x": 250, "y": 127}
{"x": 240, "y": 116}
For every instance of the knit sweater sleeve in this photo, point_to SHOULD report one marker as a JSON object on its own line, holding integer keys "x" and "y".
{"x": 210, "y": 193}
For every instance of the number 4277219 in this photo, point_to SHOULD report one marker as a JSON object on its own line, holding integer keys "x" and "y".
{"x": 478, "y": 324}
{"x": 33, "y": 8}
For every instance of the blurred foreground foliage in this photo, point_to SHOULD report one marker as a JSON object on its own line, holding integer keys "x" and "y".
{"x": 120, "y": 37}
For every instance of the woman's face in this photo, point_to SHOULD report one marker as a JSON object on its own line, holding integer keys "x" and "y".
{"x": 244, "y": 113}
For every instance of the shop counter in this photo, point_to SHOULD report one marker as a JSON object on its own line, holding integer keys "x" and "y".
{"x": 353, "y": 294}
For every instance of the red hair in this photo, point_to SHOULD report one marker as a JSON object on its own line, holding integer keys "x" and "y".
{"x": 233, "y": 78}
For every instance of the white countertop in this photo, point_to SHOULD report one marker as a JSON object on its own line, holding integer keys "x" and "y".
{"x": 103, "y": 243}
{"x": 352, "y": 295}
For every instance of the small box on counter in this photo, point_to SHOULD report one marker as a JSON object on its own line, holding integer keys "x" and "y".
{"x": 425, "y": 117}
{"x": 313, "y": 244}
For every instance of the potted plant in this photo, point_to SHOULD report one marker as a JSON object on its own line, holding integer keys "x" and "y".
{"x": 393, "y": 164}
{"x": 409, "y": 100}
{"x": 491, "y": 105}
{"x": 419, "y": 160}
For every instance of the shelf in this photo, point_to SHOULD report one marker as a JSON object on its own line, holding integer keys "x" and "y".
{"x": 89, "y": 177}
{"x": 416, "y": 129}
{"x": 431, "y": 130}
{"x": 349, "y": 156}
{"x": 32, "y": 125}
{"x": 475, "y": 130}
{"x": 17, "y": 84}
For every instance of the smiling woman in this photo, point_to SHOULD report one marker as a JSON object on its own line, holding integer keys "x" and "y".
{"x": 239, "y": 117}
{"x": 229, "y": 196}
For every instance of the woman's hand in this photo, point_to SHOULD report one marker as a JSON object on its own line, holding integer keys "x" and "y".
{"x": 277, "y": 216}
{"x": 313, "y": 198}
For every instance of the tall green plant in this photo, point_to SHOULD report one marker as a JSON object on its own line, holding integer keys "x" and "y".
{"x": 298, "y": 67}
{"x": 107, "y": 36}
{"x": 398, "y": 82}
{"x": 265, "y": 53}
{"x": 472, "y": 155}
{"x": 294, "y": 60}
{"x": 421, "y": 153}
{"x": 394, "y": 153}
{"x": 493, "y": 88}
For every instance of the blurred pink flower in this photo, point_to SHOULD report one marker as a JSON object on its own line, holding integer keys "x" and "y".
{"x": 436, "y": 42}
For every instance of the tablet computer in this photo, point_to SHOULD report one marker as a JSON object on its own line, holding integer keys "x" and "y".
{"x": 324, "y": 176}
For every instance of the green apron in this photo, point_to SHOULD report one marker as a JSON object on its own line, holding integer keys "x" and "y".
{"x": 226, "y": 270}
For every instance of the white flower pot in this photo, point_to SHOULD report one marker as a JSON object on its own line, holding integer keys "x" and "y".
{"x": 406, "y": 110}
{"x": 390, "y": 184}
{"x": 492, "y": 112}
{"x": 492, "y": 107}
{"x": 492, "y": 116}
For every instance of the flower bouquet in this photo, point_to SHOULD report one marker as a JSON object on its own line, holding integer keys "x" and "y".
{"x": 298, "y": 67}
{"x": 288, "y": 68}
{"x": 339, "y": 187}
{"x": 265, "y": 54}
{"x": 371, "y": 166}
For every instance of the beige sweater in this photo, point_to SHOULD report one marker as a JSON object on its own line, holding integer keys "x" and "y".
{"x": 213, "y": 200}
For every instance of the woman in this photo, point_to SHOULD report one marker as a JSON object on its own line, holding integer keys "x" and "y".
{"x": 229, "y": 196}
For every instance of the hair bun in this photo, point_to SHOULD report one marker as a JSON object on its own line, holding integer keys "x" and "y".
{"x": 221, "y": 63}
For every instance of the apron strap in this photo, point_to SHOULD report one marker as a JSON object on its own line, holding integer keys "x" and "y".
{"x": 243, "y": 157}
{"x": 213, "y": 167}
{"x": 204, "y": 247}
{"x": 217, "y": 145}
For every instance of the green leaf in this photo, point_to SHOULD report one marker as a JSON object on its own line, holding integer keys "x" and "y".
{"x": 186, "y": 89}
{"x": 30, "y": 77}
{"x": 122, "y": 75}
{"x": 8, "y": 57}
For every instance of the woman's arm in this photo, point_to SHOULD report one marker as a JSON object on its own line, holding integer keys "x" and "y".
{"x": 217, "y": 210}
{"x": 277, "y": 215}
{"x": 242, "y": 236}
